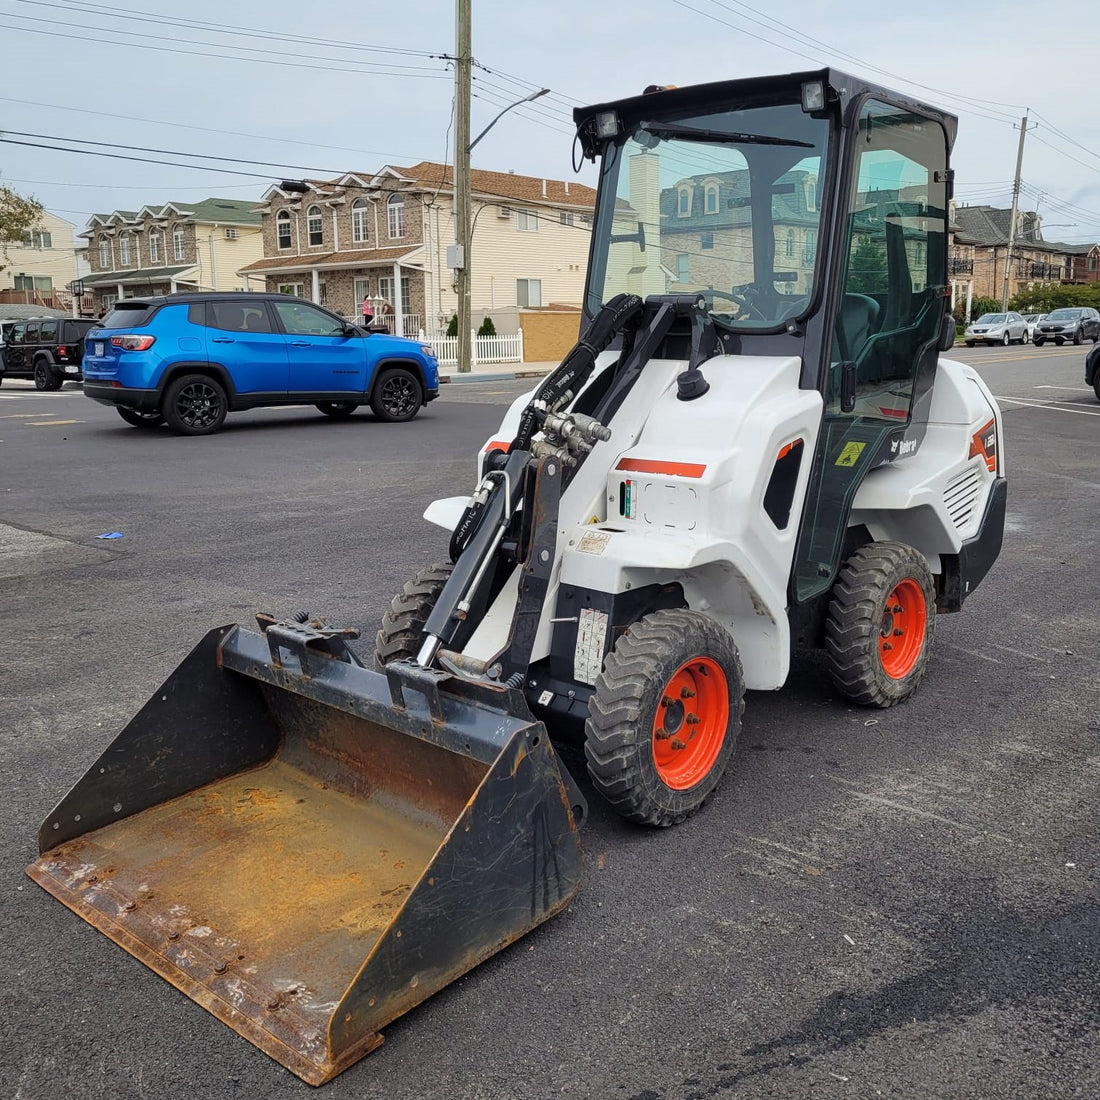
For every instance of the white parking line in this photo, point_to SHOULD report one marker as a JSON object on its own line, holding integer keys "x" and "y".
{"x": 1052, "y": 407}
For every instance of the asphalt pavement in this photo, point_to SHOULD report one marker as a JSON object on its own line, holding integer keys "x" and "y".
{"x": 896, "y": 903}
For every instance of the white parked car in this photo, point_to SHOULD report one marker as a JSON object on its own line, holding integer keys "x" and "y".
{"x": 997, "y": 328}
{"x": 1032, "y": 320}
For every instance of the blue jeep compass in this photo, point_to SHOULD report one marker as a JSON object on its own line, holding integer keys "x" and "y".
{"x": 188, "y": 359}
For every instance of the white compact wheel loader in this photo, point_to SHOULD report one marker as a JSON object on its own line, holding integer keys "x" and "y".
{"x": 754, "y": 447}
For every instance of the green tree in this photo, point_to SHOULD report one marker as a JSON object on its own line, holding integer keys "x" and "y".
{"x": 487, "y": 327}
{"x": 1042, "y": 299}
{"x": 980, "y": 305}
{"x": 18, "y": 215}
{"x": 452, "y": 325}
{"x": 867, "y": 270}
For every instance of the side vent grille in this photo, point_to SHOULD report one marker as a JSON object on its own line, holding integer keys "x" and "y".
{"x": 960, "y": 496}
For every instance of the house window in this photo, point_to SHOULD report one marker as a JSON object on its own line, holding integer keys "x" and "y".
{"x": 527, "y": 221}
{"x": 154, "y": 248}
{"x": 109, "y": 301}
{"x": 395, "y": 210}
{"x": 790, "y": 243}
{"x": 39, "y": 239}
{"x": 683, "y": 268}
{"x": 918, "y": 256}
{"x": 315, "y": 225}
{"x": 528, "y": 292}
{"x": 359, "y": 212}
{"x": 296, "y": 290}
{"x": 177, "y": 242}
{"x": 282, "y": 228}
{"x": 104, "y": 253}
{"x": 811, "y": 195}
{"x": 683, "y": 202}
{"x": 361, "y": 291}
{"x": 124, "y": 249}
{"x": 710, "y": 198}
{"x": 322, "y": 293}
{"x": 566, "y": 217}
{"x": 706, "y": 240}
{"x": 586, "y": 219}
{"x": 33, "y": 282}
{"x": 811, "y": 246}
{"x": 385, "y": 291}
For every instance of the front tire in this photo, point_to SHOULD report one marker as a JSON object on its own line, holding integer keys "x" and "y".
{"x": 969, "y": 343}
{"x": 397, "y": 396}
{"x": 1006, "y": 339}
{"x": 194, "y": 404}
{"x": 1037, "y": 342}
{"x": 138, "y": 419}
{"x": 881, "y": 621}
{"x": 402, "y": 631}
{"x": 1078, "y": 339}
{"x": 1026, "y": 338}
{"x": 665, "y": 716}
{"x": 337, "y": 410}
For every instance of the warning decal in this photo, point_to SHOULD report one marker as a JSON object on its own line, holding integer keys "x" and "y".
{"x": 850, "y": 455}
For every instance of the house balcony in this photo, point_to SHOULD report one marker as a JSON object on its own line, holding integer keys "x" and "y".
{"x": 962, "y": 267}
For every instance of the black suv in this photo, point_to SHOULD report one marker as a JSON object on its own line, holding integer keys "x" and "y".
{"x": 1068, "y": 323}
{"x": 49, "y": 350}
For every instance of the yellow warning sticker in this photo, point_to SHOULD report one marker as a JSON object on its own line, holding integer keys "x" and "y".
{"x": 850, "y": 455}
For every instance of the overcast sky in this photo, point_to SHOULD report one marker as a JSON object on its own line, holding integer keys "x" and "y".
{"x": 260, "y": 89}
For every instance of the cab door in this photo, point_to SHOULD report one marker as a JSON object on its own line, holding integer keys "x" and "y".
{"x": 326, "y": 356}
{"x": 886, "y": 328}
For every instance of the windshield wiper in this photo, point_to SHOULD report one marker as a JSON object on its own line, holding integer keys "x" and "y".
{"x": 691, "y": 133}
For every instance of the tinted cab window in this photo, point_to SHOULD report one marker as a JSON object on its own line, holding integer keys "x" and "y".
{"x": 48, "y": 332}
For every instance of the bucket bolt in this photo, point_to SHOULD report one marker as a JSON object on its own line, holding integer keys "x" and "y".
{"x": 219, "y": 967}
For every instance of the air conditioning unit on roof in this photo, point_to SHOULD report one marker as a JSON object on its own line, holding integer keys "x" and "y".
{"x": 504, "y": 211}
{"x": 231, "y": 234}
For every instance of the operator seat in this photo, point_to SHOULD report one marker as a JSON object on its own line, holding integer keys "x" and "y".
{"x": 857, "y": 321}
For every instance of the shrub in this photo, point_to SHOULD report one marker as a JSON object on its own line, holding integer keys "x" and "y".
{"x": 452, "y": 325}
{"x": 487, "y": 327}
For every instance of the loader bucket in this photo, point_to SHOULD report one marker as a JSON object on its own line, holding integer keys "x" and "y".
{"x": 309, "y": 850}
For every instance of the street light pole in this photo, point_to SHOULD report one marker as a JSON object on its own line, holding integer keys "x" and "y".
{"x": 463, "y": 59}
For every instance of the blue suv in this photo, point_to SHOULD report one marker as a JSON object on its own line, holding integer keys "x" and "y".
{"x": 188, "y": 359}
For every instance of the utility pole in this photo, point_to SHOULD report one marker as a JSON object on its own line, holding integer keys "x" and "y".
{"x": 463, "y": 59}
{"x": 1015, "y": 207}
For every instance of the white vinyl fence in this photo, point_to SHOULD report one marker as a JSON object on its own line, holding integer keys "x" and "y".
{"x": 486, "y": 349}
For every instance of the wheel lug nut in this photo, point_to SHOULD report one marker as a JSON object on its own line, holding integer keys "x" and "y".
{"x": 687, "y": 693}
{"x": 887, "y": 645}
{"x": 896, "y": 609}
{"x": 678, "y": 744}
{"x": 897, "y": 632}
{"x": 693, "y": 719}
{"x": 666, "y": 701}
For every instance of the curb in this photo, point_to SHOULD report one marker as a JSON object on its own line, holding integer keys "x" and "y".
{"x": 496, "y": 376}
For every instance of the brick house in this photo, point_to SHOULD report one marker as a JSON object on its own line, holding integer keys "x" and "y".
{"x": 385, "y": 235}
{"x": 176, "y": 246}
{"x": 979, "y": 249}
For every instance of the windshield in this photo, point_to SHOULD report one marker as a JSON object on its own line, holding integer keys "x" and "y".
{"x": 725, "y": 205}
{"x": 990, "y": 319}
{"x": 1064, "y": 315}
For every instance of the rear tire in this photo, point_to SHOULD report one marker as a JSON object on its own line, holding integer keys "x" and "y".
{"x": 45, "y": 378}
{"x": 140, "y": 419}
{"x": 337, "y": 410}
{"x": 881, "y": 622}
{"x": 1026, "y": 338}
{"x": 194, "y": 404}
{"x": 665, "y": 716}
{"x": 397, "y": 396}
{"x": 402, "y": 631}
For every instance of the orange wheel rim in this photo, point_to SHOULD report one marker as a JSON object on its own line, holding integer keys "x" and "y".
{"x": 691, "y": 721}
{"x": 901, "y": 634}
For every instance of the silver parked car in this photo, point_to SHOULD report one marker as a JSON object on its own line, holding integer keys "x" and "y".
{"x": 997, "y": 328}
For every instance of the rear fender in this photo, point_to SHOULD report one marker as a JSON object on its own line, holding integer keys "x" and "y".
{"x": 213, "y": 370}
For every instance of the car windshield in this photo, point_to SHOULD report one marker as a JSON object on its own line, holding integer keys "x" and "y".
{"x": 724, "y": 205}
{"x": 125, "y": 315}
{"x": 1064, "y": 315}
{"x": 990, "y": 319}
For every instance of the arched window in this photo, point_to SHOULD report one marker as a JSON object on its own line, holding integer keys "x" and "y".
{"x": 790, "y": 243}
{"x": 683, "y": 202}
{"x": 105, "y": 253}
{"x": 710, "y": 197}
{"x": 811, "y": 195}
{"x": 178, "y": 252}
{"x": 396, "y": 210}
{"x": 315, "y": 225}
{"x": 283, "y": 230}
{"x": 154, "y": 247}
{"x": 124, "y": 249}
{"x": 359, "y": 213}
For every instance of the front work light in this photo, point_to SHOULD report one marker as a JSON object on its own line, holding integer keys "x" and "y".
{"x": 607, "y": 125}
{"x": 813, "y": 96}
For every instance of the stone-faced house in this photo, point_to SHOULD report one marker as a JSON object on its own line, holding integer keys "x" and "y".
{"x": 174, "y": 246}
{"x": 384, "y": 235}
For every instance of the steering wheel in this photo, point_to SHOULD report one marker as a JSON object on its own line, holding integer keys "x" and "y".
{"x": 742, "y": 297}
